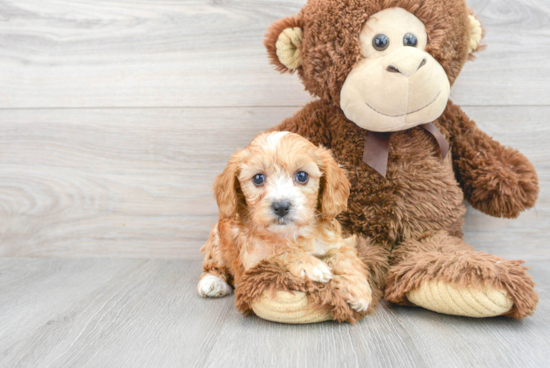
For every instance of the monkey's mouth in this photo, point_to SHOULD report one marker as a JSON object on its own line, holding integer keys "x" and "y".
{"x": 407, "y": 113}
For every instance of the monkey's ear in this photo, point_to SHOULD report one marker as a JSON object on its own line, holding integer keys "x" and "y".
{"x": 283, "y": 40}
{"x": 476, "y": 34}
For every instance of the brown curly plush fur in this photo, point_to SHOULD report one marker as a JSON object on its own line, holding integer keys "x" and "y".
{"x": 271, "y": 276}
{"x": 446, "y": 258}
{"x": 411, "y": 220}
{"x": 330, "y": 48}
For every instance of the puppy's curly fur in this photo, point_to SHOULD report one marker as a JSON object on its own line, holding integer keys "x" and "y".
{"x": 254, "y": 247}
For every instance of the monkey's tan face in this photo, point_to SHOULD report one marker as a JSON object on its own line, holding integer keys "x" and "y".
{"x": 397, "y": 85}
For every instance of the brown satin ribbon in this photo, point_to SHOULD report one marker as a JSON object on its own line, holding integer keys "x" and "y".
{"x": 377, "y": 147}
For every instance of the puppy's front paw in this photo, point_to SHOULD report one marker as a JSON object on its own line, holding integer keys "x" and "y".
{"x": 359, "y": 305}
{"x": 357, "y": 292}
{"x": 211, "y": 286}
{"x": 312, "y": 268}
{"x": 320, "y": 273}
{"x": 359, "y": 296}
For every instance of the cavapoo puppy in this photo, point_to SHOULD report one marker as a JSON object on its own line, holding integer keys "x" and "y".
{"x": 278, "y": 200}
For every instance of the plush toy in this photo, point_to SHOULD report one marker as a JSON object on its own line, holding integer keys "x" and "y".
{"x": 382, "y": 71}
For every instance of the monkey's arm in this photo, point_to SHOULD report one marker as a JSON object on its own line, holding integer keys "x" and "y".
{"x": 496, "y": 180}
{"x": 310, "y": 122}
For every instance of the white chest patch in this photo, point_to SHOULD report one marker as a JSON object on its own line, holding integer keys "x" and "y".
{"x": 320, "y": 248}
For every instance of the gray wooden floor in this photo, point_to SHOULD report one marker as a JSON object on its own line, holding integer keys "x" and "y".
{"x": 115, "y": 117}
{"x": 147, "y": 313}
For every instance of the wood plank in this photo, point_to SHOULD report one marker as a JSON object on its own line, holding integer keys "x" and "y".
{"x": 527, "y": 237}
{"x": 93, "y": 312}
{"x": 120, "y": 182}
{"x": 62, "y": 53}
{"x": 134, "y": 313}
{"x": 505, "y": 73}
{"x": 136, "y": 182}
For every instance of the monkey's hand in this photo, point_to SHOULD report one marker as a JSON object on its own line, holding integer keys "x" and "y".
{"x": 501, "y": 183}
{"x": 496, "y": 180}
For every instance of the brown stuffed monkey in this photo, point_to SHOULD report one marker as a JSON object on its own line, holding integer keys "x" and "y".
{"x": 382, "y": 71}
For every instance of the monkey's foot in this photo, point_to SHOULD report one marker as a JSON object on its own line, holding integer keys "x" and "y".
{"x": 286, "y": 307}
{"x": 447, "y": 298}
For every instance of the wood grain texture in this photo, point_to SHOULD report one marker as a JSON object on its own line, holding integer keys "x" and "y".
{"x": 136, "y": 313}
{"x": 89, "y": 168}
{"x": 122, "y": 53}
{"x": 116, "y": 182}
{"x": 137, "y": 182}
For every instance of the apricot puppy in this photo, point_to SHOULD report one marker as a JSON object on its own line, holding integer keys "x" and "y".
{"x": 278, "y": 200}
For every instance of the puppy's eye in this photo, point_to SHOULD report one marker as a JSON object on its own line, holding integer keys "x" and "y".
{"x": 258, "y": 179}
{"x": 410, "y": 40}
{"x": 302, "y": 177}
{"x": 380, "y": 42}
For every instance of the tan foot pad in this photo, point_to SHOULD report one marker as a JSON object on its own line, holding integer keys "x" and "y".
{"x": 466, "y": 301}
{"x": 289, "y": 308}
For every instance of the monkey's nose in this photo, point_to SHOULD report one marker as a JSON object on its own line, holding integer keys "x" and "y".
{"x": 392, "y": 69}
{"x": 281, "y": 209}
{"x": 407, "y": 68}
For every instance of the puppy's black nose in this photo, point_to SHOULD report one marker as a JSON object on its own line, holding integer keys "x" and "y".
{"x": 281, "y": 209}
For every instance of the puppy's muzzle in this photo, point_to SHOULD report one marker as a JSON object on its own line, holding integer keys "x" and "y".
{"x": 281, "y": 209}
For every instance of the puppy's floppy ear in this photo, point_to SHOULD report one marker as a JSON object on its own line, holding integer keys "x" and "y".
{"x": 226, "y": 187}
{"x": 283, "y": 40}
{"x": 335, "y": 187}
{"x": 476, "y": 34}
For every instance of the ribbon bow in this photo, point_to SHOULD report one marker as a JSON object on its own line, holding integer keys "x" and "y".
{"x": 377, "y": 147}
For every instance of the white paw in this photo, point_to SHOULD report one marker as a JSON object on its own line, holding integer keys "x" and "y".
{"x": 211, "y": 286}
{"x": 319, "y": 273}
{"x": 359, "y": 305}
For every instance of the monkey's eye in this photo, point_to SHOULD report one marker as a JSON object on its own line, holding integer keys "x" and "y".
{"x": 410, "y": 40}
{"x": 258, "y": 179}
{"x": 380, "y": 42}
{"x": 302, "y": 177}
